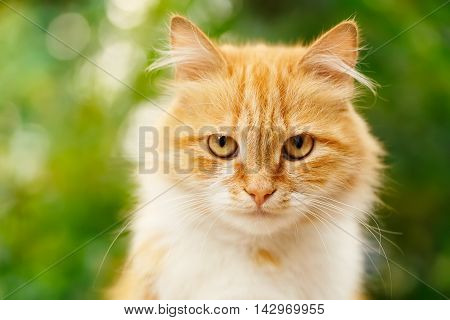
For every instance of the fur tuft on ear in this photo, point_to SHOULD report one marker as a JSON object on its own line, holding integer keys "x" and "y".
{"x": 335, "y": 54}
{"x": 192, "y": 53}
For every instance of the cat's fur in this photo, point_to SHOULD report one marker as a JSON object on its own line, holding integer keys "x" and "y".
{"x": 204, "y": 238}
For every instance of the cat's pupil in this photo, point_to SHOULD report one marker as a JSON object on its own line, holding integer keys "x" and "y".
{"x": 222, "y": 141}
{"x": 298, "y": 141}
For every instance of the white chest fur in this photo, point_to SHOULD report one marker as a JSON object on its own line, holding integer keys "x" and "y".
{"x": 203, "y": 261}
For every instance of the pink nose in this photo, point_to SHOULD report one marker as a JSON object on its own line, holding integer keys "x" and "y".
{"x": 260, "y": 195}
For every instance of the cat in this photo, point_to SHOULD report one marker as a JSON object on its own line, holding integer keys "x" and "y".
{"x": 264, "y": 191}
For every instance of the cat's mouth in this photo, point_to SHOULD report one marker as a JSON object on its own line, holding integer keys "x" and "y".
{"x": 260, "y": 221}
{"x": 262, "y": 213}
{"x": 256, "y": 213}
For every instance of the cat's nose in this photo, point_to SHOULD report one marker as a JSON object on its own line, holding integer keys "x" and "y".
{"x": 260, "y": 195}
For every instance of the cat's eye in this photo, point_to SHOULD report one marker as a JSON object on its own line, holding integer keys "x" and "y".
{"x": 222, "y": 146}
{"x": 298, "y": 147}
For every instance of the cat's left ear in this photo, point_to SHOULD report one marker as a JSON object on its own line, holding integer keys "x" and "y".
{"x": 194, "y": 55}
{"x": 335, "y": 53}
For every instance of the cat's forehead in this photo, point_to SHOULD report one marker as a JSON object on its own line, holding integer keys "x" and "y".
{"x": 262, "y": 54}
{"x": 262, "y": 88}
{"x": 272, "y": 93}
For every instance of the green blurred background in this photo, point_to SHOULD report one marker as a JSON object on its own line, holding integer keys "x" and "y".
{"x": 63, "y": 179}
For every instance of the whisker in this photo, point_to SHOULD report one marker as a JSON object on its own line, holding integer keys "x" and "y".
{"x": 318, "y": 232}
{"x": 367, "y": 226}
{"x": 379, "y": 243}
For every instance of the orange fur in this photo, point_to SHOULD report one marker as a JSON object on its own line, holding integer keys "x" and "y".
{"x": 263, "y": 257}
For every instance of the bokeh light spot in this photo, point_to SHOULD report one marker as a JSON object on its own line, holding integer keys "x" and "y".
{"x": 73, "y": 30}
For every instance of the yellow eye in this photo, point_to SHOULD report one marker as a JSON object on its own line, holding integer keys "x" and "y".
{"x": 298, "y": 147}
{"x": 222, "y": 146}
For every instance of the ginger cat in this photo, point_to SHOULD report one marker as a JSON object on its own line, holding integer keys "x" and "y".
{"x": 265, "y": 178}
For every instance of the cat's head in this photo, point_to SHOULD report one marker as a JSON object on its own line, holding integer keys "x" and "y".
{"x": 265, "y": 133}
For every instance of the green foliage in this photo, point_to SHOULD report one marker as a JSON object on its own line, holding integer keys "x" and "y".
{"x": 62, "y": 180}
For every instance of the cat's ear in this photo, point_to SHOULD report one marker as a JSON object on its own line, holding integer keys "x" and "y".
{"x": 335, "y": 53}
{"x": 194, "y": 55}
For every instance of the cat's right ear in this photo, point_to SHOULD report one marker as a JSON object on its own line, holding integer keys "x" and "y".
{"x": 193, "y": 54}
{"x": 334, "y": 56}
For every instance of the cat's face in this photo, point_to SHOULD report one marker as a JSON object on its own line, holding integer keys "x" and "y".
{"x": 265, "y": 134}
